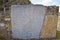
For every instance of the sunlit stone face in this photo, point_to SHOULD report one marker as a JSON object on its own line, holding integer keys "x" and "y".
{"x": 58, "y": 25}
{"x": 27, "y": 21}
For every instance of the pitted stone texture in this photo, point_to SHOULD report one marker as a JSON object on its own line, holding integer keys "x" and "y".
{"x": 49, "y": 27}
{"x": 27, "y": 21}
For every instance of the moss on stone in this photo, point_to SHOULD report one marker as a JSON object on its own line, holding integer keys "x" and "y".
{"x": 58, "y": 35}
{"x": 27, "y": 1}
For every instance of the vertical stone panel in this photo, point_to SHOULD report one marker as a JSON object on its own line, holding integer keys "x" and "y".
{"x": 49, "y": 27}
{"x": 27, "y": 21}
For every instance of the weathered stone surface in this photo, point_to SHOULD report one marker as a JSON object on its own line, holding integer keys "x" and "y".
{"x": 31, "y": 30}
{"x": 58, "y": 25}
{"x": 3, "y": 33}
{"x": 27, "y": 21}
{"x": 52, "y": 10}
{"x": 49, "y": 27}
